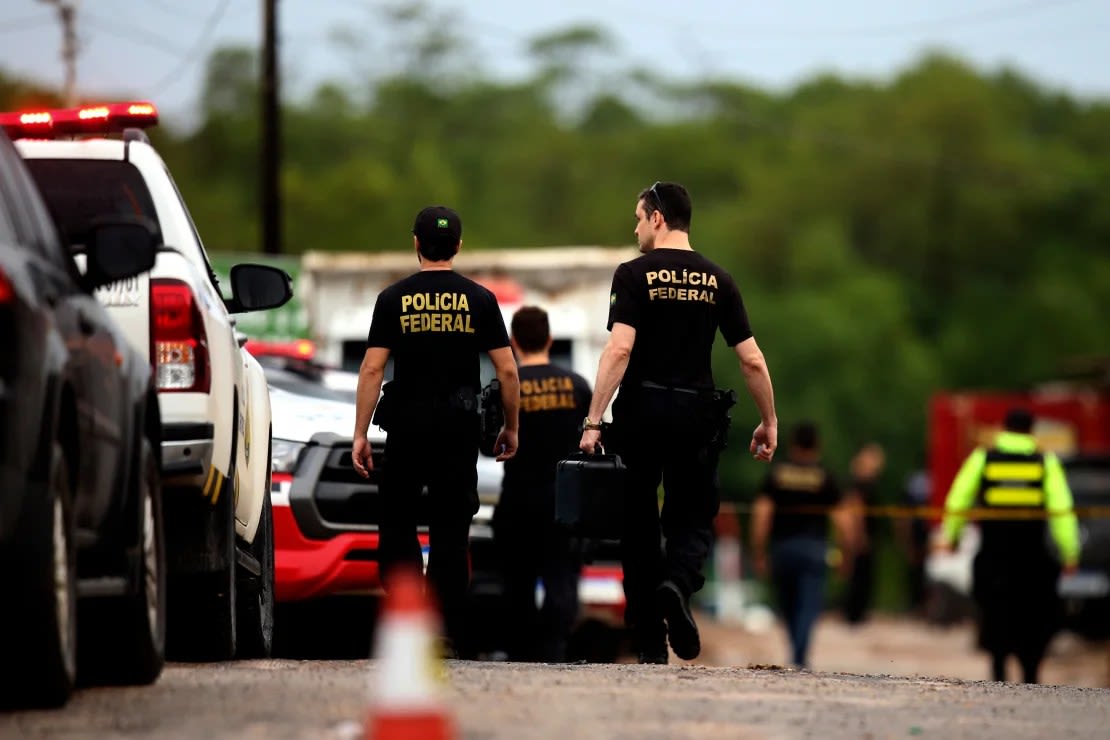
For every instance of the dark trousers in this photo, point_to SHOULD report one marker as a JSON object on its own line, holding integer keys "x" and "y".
{"x": 798, "y": 574}
{"x": 672, "y": 543}
{"x": 858, "y": 595}
{"x": 1019, "y": 610}
{"x": 449, "y": 470}
{"x": 531, "y": 548}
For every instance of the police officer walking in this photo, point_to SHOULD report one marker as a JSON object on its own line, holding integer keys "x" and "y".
{"x": 553, "y": 401}
{"x": 1014, "y": 574}
{"x": 434, "y": 324}
{"x": 665, "y": 309}
{"x": 790, "y": 522}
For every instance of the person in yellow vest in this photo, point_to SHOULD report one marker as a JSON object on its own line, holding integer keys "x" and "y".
{"x": 1021, "y": 491}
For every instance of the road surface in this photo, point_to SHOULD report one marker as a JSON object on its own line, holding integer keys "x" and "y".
{"x": 851, "y": 694}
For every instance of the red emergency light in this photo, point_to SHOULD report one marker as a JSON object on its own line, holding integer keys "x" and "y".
{"x": 90, "y": 119}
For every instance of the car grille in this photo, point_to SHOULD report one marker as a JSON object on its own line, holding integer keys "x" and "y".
{"x": 329, "y": 497}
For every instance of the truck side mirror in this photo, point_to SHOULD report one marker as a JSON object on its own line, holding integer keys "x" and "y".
{"x": 258, "y": 287}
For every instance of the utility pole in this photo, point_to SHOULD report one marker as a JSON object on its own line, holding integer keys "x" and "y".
{"x": 67, "y": 14}
{"x": 271, "y": 132}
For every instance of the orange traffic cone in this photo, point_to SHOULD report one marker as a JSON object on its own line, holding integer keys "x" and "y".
{"x": 406, "y": 702}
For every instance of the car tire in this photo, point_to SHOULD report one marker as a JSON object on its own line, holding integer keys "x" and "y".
{"x": 256, "y": 592}
{"x": 38, "y": 655}
{"x": 202, "y": 606}
{"x": 123, "y": 639}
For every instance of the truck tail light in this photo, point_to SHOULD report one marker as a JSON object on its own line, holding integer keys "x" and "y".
{"x": 179, "y": 346}
{"x": 6, "y": 292}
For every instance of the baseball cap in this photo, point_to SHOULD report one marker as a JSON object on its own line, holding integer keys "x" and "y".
{"x": 438, "y": 226}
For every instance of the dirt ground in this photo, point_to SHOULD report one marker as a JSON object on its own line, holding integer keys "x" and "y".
{"x": 883, "y": 680}
{"x": 899, "y": 646}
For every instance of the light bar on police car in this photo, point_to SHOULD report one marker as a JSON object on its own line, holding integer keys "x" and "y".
{"x": 100, "y": 118}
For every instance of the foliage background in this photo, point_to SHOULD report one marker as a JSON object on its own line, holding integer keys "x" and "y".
{"x": 944, "y": 228}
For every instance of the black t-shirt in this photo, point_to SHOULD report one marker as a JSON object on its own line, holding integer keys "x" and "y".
{"x": 553, "y": 403}
{"x": 436, "y": 324}
{"x": 803, "y": 485}
{"x": 676, "y": 300}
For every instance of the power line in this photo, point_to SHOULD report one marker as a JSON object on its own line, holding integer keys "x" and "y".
{"x": 198, "y": 47}
{"x": 134, "y": 34}
{"x": 983, "y": 16}
{"x": 174, "y": 9}
{"x": 978, "y": 17}
{"x": 23, "y": 24}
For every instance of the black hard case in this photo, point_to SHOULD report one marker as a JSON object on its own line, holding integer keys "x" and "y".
{"x": 589, "y": 494}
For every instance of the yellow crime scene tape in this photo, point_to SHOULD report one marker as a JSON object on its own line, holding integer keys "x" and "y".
{"x": 934, "y": 512}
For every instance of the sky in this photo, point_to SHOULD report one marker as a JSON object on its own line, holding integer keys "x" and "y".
{"x": 156, "y": 49}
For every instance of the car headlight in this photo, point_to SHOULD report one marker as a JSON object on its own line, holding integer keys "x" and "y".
{"x": 285, "y": 455}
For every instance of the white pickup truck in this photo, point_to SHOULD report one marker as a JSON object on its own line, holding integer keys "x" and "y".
{"x": 215, "y": 406}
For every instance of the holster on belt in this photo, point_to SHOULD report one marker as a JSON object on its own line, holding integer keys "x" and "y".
{"x": 398, "y": 401}
{"x": 706, "y": 410}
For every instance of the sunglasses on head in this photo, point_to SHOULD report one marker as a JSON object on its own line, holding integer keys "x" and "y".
{"x": 659, "y": 200}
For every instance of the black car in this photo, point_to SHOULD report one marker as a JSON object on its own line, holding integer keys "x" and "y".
{"x": 1087, "y": 594}
{"x": 80, "y": 497}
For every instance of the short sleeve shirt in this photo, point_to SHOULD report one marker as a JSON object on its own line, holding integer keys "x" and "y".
{"x": 676, "y": 300}
{"x": 436, "y": 324}
{"x": 802, "y": 494}
{"x": 553, "y": 403}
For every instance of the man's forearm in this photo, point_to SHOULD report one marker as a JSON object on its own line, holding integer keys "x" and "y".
{"x": 758, "y": 380}
{"x": 510, "y": 396}
{"x": 366, "y": 398}
{"x": 610, "y": 373}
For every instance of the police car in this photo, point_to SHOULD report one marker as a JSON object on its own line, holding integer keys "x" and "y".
{"x": 212, "y": 395}
{"x": 325, "y": 513}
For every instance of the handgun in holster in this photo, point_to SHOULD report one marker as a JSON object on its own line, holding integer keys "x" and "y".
{"x": 491, "y": 418}
{"x": 385, "y": 413}
{"x": 722, "y": 401}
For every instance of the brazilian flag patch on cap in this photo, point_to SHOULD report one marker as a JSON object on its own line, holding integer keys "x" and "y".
{"x": 441, "y": 223}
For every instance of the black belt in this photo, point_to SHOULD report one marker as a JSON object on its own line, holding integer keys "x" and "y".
{"x": 695, "y": 392}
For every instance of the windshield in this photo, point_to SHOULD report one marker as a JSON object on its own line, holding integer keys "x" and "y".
{"x": 78, "y": 191}
{"x": 303, "y": 385}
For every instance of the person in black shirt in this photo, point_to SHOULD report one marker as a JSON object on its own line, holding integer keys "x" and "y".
{"x": 665, "y": 310}
{"x": 553, "y": 401}
{"x": 792, "y": 511}
{"x": 867, "y": 467}
{"x": 434, "y": 324}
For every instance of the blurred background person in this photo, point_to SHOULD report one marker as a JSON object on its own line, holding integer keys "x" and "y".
{"x": 790, "y": 522}
{"x": 866, "y": 468}
{"x": 530, "y": 546}
{"x": 1014, "y": 574}
{"x": 912, "y": 533}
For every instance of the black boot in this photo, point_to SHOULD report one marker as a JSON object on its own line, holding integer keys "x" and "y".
{"x": 681, "y": 627}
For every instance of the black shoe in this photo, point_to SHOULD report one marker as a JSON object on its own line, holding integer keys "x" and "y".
{"x": 656, "y": 656}
{"x": 681, "y": 627}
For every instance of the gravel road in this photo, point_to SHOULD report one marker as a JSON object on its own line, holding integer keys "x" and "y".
{"x": 850, "y": 695}
{"x": 330, "y": 699}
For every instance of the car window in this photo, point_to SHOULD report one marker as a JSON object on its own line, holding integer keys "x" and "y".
{"x": 14, "y": 205}
{"x": 26, "y": 217}
{"x": 7, "y": 229}
{"x": 196, "y": 235}
{"x": 305, "y": 384}
{"x": 81, "y": 190}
